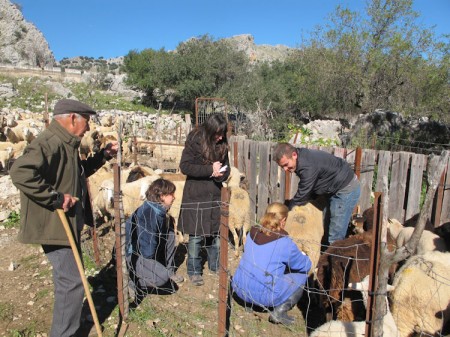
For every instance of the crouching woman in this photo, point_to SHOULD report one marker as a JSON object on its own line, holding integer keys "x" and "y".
{"x": 150, "y": 239}
{"x": 272, "y": 270}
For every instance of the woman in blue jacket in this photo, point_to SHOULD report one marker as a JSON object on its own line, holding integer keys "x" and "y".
{"x": 150, "y": 240}
{"x": 272, "y": 270}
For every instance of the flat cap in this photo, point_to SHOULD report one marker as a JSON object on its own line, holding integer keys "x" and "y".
{"x": 66, "y": 106}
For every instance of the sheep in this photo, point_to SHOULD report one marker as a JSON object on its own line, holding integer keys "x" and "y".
{"x": 420, "y": 300}
{"x": 5, "y": 156}
{"x": 16, "y": 147}
{"x": 106, "y": 121}
{"x": 133, "y": 194}
{"x": 103, "y": 200}
{"x": 427, "y": 242}
{"x": 305, "y": 226}
{"x": 179, "y": 180}
{"x": 126, "y": 175}
{"x": 342, "y": 262}
{"x": 444, "y": 232}
{"x": 239, "y": 208}
{"x": 352, "y": 329}
{"x": 17, "y": 134}
{"x": 90, "y": 142}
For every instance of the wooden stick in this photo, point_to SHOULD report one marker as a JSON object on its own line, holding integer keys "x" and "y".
{"x": 63, "y": 218}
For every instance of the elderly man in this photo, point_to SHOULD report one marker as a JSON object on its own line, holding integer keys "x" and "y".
{"x": 322, "y": 174}
{"x": 51, "y": 175}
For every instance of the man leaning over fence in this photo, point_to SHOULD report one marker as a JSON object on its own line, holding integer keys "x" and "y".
{"x": 322, "y": 174}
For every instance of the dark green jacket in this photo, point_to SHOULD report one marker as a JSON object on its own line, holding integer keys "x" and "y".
{"x": 49, "y": 168}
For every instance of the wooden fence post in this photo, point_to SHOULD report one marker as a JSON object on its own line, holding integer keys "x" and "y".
{"x": 223, "y": 265}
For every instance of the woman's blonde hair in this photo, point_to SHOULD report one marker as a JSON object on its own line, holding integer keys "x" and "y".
{"x": 271, "y": 220}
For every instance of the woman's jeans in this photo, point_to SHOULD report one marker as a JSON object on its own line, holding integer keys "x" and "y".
{"x": 194, "y": 260}
{"x": 341, "y": 209}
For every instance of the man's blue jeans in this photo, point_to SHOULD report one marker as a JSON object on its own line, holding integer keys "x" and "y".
{"x": 341, "y": 209}
{"x": 194, "y": 260}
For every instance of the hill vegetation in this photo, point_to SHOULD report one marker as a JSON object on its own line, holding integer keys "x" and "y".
{"x": 353, "y": 65}
{"x": 358, "y": 63}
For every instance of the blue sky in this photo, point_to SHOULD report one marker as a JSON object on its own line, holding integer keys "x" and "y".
{"x": 112, "y": 28}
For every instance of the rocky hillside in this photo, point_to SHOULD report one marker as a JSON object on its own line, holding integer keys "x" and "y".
{"x": 21, "y": 43}
{"x": 259, "y": 53}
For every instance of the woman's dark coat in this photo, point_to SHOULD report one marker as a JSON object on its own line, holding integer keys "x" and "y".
{"x": 200, "y": 206}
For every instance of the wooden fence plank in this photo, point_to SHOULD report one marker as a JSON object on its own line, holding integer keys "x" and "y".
{"x": 340, "y": 152}
{"x": 366, "y": 179}
{"x": 397, "y": 185}
{"x": 246, "y": 168}
{"x": 415, "y": 185}
{"x": 252, "y": 170}
{"x": 294, "y": 185}
{"x": 264, "y": 175}
{"x": 350, "y": 158}
{"x": 282, "y": 182}
{"x": 327, "y": 149}
{"x": 276, "y": 193}
{"x": 384, "y": 164}
{"x": 445, "y": 212}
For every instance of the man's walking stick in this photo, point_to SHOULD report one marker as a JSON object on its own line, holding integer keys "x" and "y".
{"x": 63, "y": 218}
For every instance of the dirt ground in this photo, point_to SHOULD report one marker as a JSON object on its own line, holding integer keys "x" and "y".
{"x": 27, "y": 298}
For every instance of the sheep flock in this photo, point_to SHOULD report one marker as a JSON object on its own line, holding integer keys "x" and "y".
{"x": 418, "y": 304}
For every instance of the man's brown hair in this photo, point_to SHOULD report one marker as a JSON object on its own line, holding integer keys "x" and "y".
{"x": 283, "y": 149}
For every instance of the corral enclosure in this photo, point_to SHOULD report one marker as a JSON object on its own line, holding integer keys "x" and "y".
{"x": 406, "y": 175}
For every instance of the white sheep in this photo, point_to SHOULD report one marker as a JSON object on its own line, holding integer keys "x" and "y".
{"x": 17, "y": 148}
{"x": 420, "y": 300}
{"x": 133, "y": 194}
{"x": 239, "y": 208}
{"x": 179, "y": 180}
{"x": 103, "y": 200}
{"x": 305, "y": 226}
{"x": 357, "y": 329}
{"x": 90, "y": 142}
{"x": 5, "y": 157}
{"x": 17, "y": 134}
{"x": 427, "y": 242}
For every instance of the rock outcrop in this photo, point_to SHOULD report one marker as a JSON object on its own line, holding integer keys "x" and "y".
{"x": 259, "y": 53}
{"x": 21, "y": 43}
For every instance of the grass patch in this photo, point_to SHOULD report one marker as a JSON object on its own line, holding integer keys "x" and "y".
{"x": 6, "y": 311}
{"x": 26, "y": 332}
{"x": 13, "y": 220}
{"x": 42, "y": 294}
{"x": 30, "y": 261}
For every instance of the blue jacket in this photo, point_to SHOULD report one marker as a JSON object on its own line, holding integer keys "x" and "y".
{"x": 145, "y": 230}
{"x": 270, "y": 270}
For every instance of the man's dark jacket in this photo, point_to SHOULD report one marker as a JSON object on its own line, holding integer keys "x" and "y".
{"x": 321, "y": 174}
{"x": 49, "y": 168}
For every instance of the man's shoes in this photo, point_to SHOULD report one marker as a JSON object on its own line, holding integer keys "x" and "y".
{"x": 177, "y": 278}
{"x": 196, "y": 280}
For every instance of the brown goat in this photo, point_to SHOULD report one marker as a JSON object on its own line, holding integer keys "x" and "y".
{"x": 344, "y": 261}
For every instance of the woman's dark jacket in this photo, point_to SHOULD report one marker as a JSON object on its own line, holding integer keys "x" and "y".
{"x": 200, "y": 206}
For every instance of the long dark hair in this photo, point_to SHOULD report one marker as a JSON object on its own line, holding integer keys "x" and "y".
{"x": 215, "y": 124}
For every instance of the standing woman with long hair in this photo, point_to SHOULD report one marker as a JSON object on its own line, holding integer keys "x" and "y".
{"x": 205, "y": 163}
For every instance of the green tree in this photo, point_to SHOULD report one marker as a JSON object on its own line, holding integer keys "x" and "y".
{"x": 382, "y": 60}
{"x": 150, "y": 69}
{"x": 205, "y": 66}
